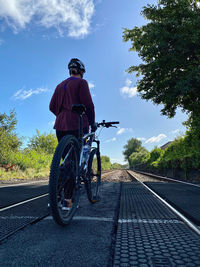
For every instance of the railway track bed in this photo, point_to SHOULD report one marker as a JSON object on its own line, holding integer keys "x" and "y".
{"x": 128, "y": 227}
{"x": 183, "y": 196}
{"x": 87, "y": 240}
{"x": 149, "y": 233}
{"x": 23, "y": 204}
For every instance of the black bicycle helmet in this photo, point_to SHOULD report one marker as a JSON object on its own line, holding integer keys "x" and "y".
{"x": 75, "y": 63}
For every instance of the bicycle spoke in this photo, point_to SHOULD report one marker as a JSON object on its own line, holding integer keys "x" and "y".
{"x": 94, "y": 176}
{"x": 63, "y": 184}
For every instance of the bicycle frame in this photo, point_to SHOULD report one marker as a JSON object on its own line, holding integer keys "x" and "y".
{"x": 83, "y": 139}
{"x": 91, "y": 137}
{"x": 65, "y": 183}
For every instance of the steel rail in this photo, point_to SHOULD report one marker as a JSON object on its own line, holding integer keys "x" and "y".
{"x": 44, "y": 216}
{"x": 22, "y": 184}
{"x": 23, "y": 202}
{"x": 181, "y": 216}
{"x": 35, "y": 182}
{"x": 165, "y": 178}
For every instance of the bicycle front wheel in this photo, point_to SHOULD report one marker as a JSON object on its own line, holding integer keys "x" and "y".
{"x": 93, "y": 180}
{"x": 64, "y": 184}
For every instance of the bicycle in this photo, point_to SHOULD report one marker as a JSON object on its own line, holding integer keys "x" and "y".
{"x": 75, "y": 161}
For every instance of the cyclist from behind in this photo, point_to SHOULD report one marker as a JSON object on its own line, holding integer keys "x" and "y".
{"x": 73, "y": 90}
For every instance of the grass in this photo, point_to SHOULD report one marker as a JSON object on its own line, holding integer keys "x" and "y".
{"x": 28, "y": 164}
{"x": 18, "y": 174}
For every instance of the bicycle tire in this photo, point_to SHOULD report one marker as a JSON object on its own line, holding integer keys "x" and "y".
{"x": 56, "y": 182}
{"x": 93, "y": 180}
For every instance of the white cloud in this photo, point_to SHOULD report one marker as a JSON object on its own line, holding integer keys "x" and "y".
{"x": 124, "y": 130}
{"x": 120, "y": 161}
{"x": 156, "y": 139}
{"x": 24, "y": 94}
{"x": 121, "y": 131}
{"x": 91, "y": 85}
{"x": 127, "y": 90}
{"x": 71, "y": 16}
{"x": 111, "y": 140}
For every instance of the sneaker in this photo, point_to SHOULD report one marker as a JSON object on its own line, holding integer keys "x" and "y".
{"x": 67, "y": 205}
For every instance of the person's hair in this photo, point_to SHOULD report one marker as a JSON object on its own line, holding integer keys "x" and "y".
{"x": 76, "y": 67}
{"x": 74, "y": 71}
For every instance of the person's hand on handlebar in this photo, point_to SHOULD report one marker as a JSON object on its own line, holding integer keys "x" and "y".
{"x": 94, "y": 127}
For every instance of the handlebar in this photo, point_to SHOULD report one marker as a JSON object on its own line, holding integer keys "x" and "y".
{"x": 108, "y": 124}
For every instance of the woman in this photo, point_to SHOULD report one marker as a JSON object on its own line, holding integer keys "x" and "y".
{"x": 73, "y": 90}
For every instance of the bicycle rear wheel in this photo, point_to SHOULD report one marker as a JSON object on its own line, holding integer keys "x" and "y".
{"x": 93, "y": 180}
{"x": 64, "y": 183}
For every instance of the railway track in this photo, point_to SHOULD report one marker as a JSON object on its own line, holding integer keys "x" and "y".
{"x": 21, "y": 210}
{"x": 150, "y": 232}
{"x": 24, "y": 204}
{"x": 154, "y": 177}
{"x": 85, "y": 242}
{"x": 182, "y": 198}
{"x": 130, "y": 226}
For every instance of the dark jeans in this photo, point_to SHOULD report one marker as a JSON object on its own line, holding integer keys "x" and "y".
{"x": 60, "y": 134}
{"x": 68, "y": 171}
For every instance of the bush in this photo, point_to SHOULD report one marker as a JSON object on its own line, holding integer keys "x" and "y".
{"x": 9, "y": 141}
{"x": 43, "y": 142}
{"x": 116, "y": 166}
{"x": 28, "y": 159}
{"x": 34, "y": 161}
{"x": 105, "y": 163}
{"x": 139, "y": 157}
{"x": 183, "y": 153}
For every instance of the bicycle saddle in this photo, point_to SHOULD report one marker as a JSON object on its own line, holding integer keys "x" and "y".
{"x": 79, "y": 108}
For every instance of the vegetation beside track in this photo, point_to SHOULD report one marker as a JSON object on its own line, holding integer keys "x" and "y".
{"x": 180, "y": 158}
{"x": 169, "y": 75}
{"x": 34, "y": 160}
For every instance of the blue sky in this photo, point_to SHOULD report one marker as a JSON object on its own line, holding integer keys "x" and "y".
{"x": 37, "y": 40}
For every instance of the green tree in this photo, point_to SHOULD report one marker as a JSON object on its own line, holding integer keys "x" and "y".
{"x": 8, "y": 122}
{"x": 105, "y": 163}
{"x": 132, "y": 145}
{"x": 169, "y": 48}
{"x": 138, "y": 157}
{"x": 43, "y": 142}
{"x": 154, "y": 155}
{"x": 116, "y": 166}
{"x": 9, "y": 141}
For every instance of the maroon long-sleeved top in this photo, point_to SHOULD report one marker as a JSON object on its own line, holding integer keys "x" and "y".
{"x": 71, "y": 91}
